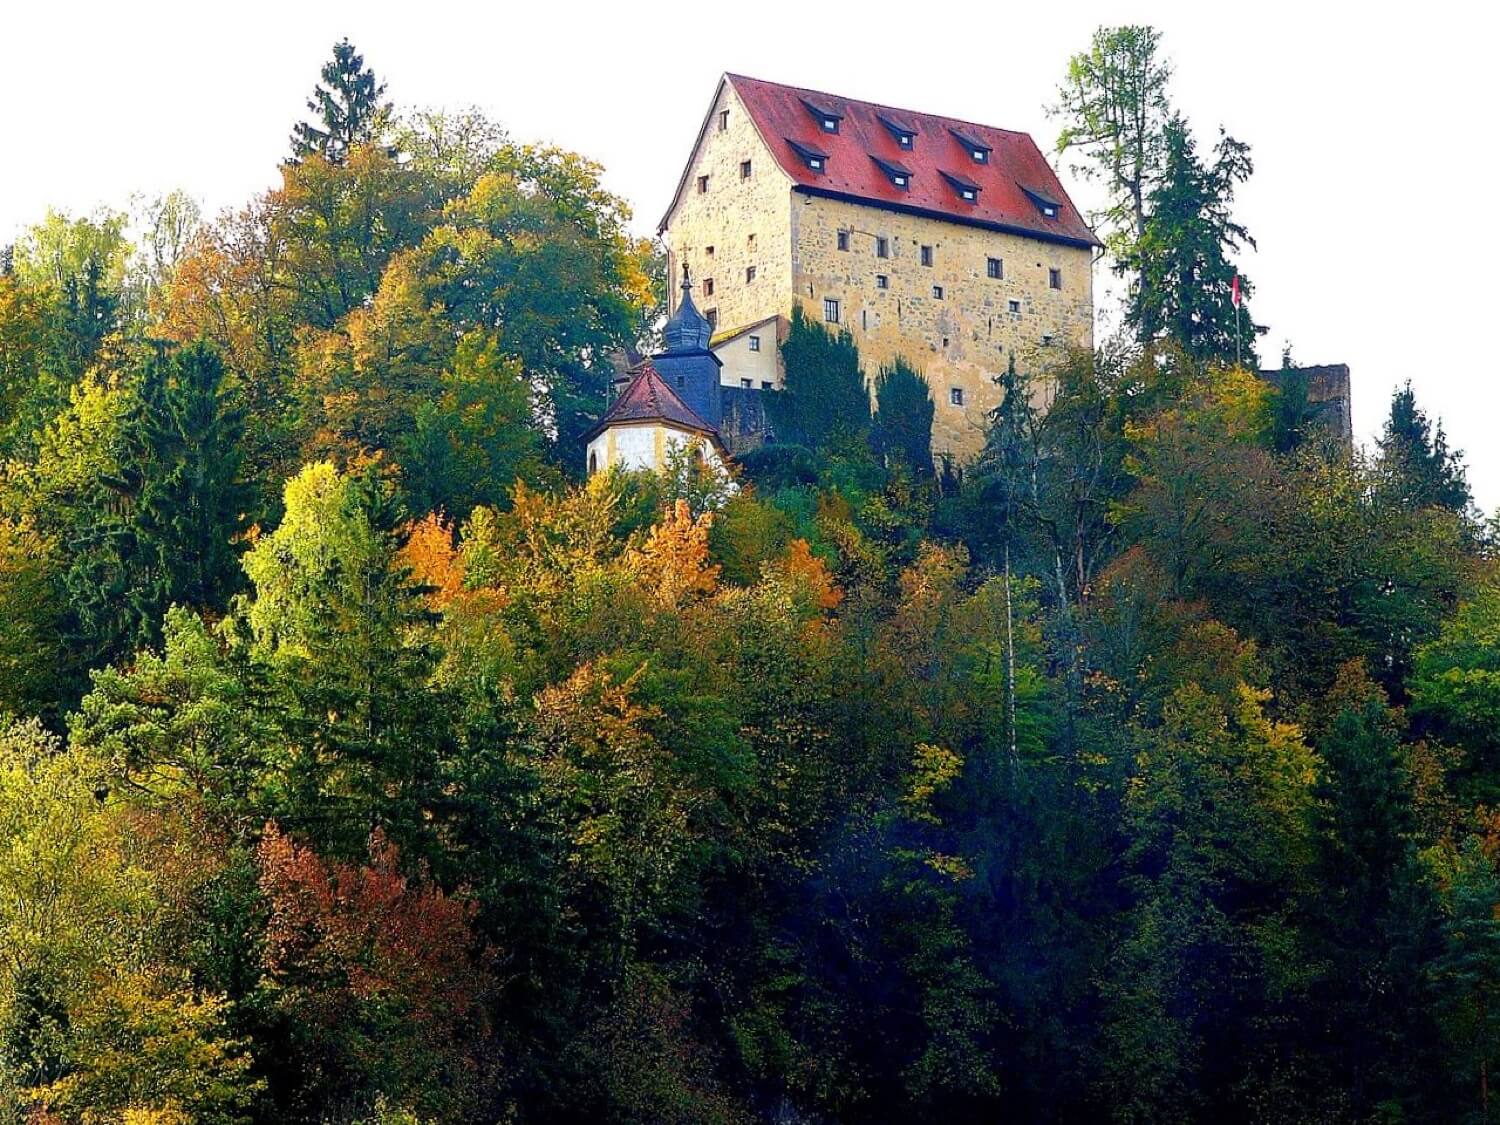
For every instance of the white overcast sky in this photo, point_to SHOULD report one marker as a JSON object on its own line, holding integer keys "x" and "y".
{"x": 1372, "y": 133}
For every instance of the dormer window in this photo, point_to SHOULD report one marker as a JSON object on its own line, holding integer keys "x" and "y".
{"x": 898, "y": 174}
{"x": 904, "y": 135}
{"x": 827, "y": 117}
{"x": 813, "y": 158}
{"x": 1045, "y": 203}
{"x": 966, "y": 188}
{"x": 978, "y": 151}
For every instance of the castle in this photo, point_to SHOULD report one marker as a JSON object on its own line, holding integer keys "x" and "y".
{"x": 948, "y": 243}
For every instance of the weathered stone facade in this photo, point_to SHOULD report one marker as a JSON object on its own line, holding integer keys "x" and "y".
{"x": 950, "y": 319}
{"x": 738, "y": 223}
{"x": 961, "y": 340}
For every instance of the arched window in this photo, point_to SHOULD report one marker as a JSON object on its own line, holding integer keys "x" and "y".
{"x": 593, "y": 461}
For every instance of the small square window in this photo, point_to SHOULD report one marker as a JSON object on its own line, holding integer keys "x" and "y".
{"x": 744, "y": 169}
{"x": 937, "y": 292}
{"x": 1054, "y": 278}
{"x": 1015, "y": 308}
{"x": 766, "y": 385}
{"x": 702, "y": 184}
{"x": 755, "y": 343}
{"x": 1049, "y": 210}
{"x": 899, "y": 180}
{"x": 882, "y": 281}
{"x": 723, "y": 120}
{"x": 956, "y": 396}
{"x": 815, "y": 163}
{"x": 830, "y": 124}
{"x": 980, "y": 156}
{"x": 708, "y": 287}
{"x": 709, "y": 250}
{"x": 927, "y": 255}
{"x": 843, "y": 240}
{"x": 968, "y": 194}
{"x": 904, "y": 140}
{"x": 712, "y": 316}
{"x": 882, "y": 248}
{"x": 749, "y": 274}
{"x": 995, "y": 268}
{"x": 830, "y": 310}
{"x": 747, "y": 383}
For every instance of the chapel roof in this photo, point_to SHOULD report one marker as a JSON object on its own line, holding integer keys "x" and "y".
{"x": 648, "y": 398}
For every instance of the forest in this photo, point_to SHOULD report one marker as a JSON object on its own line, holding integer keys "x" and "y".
{"x": 360, "y": 762}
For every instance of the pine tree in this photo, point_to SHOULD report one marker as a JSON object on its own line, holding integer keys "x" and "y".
{"x": 349, "y": 109}
{"x": 193, "y": 501}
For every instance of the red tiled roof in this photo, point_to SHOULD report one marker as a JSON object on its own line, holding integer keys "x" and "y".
{"x": 647, "y": 398}
{"x": 939, "y": 159}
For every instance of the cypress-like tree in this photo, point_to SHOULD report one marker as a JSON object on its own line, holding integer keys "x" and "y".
{"x": 825, "y": 404}
{"x": 349, "y": 108}
{"x": 903, "y": 419}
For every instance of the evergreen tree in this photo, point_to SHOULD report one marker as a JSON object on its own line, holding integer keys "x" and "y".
{"x": 825, "y": 404}
{"x": 1416, "y": 468}
{"x": 337, "y": 618}
{"x": 193, "y": 501}
{"x": 166, "y": 529}
{"x": 903, "y": 420}
{"x": 1184, "y": 289}
{"x": 349, "y": 109}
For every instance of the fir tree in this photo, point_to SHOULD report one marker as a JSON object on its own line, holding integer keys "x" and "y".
{"x": 168, "y": 519}
{"x": 349, "y": 108}
{"x": 1416, "y": 467}
{"x": 1184, "y": 291}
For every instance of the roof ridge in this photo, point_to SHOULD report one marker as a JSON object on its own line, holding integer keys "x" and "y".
{"x": 881, "y": 105}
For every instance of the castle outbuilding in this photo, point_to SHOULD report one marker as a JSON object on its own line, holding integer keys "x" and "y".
{"x": 948, "y": 243}
{"x": 671, "y": 401}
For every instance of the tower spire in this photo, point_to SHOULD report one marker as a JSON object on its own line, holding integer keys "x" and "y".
{"x": 688, "y": 330}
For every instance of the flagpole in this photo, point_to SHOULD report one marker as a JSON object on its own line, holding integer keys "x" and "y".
{"x": 1234, "y": 295}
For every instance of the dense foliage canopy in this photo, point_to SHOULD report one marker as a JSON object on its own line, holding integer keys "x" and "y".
{"x": 358, "y": 763}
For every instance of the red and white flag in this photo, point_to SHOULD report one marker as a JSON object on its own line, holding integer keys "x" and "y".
{"x": 1235, "y": 292}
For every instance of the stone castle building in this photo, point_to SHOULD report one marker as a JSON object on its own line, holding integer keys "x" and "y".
{"x": 946, "y": 242}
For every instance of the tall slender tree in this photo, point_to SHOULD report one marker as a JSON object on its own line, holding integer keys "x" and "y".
{"x": 1185, "y": 286}
{"x": 1114, "y": 108}
{"x": 903, "y": 418}
{"x": 348, "y": 108}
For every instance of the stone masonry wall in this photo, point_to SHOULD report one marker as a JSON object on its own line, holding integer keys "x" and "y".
{"x": 961, "y": 340}
{"x": 737, "y": 223}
